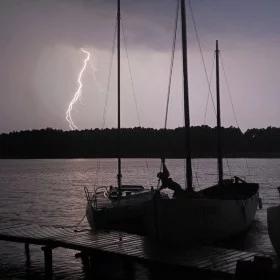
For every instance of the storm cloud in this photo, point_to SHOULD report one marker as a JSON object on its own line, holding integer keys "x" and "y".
{"x": 40, "y": 57}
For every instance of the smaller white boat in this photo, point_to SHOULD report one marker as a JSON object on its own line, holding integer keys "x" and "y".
{"x": 273, "y": 223}
{"x": 120, "y": 207}
{"x": 114, "y": 208}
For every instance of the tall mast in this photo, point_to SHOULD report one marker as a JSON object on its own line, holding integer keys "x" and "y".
{"x": 186, "y": 99}
{"x": 219, "y": 131}
{"x": 119, "y": 176}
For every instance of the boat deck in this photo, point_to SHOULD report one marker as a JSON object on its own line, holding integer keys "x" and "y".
{"x": 131, "y": 248}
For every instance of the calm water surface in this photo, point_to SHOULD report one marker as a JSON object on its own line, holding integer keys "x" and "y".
{"x": 50, "y": 192}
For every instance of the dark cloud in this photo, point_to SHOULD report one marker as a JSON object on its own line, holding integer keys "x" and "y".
{"x": 148, "y": 23}
{"x": 30, "y": 29}
{"x": 83, "y": 22}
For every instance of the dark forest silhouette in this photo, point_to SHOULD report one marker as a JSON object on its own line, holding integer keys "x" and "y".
{"x": 138, "y": 142}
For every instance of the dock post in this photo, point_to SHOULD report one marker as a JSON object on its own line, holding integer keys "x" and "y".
{"x": 85, "y": 260}
{"x": 129, "y": 270}
{"x": 48, "y": 261}
{"x": 27, "y": 253}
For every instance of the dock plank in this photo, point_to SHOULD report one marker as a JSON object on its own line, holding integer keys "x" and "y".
{"x": 128, "y": 246}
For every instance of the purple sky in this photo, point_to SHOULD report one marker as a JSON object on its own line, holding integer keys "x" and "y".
{"x": 40, "y": 59}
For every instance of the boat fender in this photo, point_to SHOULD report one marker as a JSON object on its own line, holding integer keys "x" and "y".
{"x": 260, "y": 203}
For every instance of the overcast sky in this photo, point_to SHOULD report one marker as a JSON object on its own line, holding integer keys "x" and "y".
{"x": 40, "y": 59}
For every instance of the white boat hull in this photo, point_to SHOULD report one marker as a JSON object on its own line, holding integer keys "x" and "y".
{"x": 200, "y": 219}
{"x": 124, "y": 214}
{"x": 273, "y": 222}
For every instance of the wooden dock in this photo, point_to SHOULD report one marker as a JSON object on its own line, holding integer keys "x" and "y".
{"x": 130, "y": 248}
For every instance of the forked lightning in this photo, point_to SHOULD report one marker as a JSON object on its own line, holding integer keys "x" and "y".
{"x": 78, "y": 93}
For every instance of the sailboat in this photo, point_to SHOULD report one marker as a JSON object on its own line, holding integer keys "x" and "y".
{"x": 118, "y": 207}
{"x": 214, "y": 213}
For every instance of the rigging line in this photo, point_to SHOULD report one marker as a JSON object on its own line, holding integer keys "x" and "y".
{"x": 229, "y": 169}
{"x": 171, "y": 72}
{"x": 130, "y": 74}
{"x": 201, "y": 53}
{"x": 204, "y": 66}
{"x": 229, "y": 91}
{"x": 107, "y": 92}
{"x": 203, "y": 63}
{"x": 132, "y": 83}
{"x": 247, "y": 166}
{"x": 231, "y": 101}
{"x": 109, "y": 74}
{"x": 80, "y": 221}
{"x": 197, "y": 181}
{"x": 171, "y": 64}
{"x": 207, "y": 101}
{"x": 227, "y": 85}
{"x": 97, "y": 172}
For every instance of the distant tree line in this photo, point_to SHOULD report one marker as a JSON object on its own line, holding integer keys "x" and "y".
{"x": 138, "y": 142}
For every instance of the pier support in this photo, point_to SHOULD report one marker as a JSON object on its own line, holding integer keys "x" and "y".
{"x": 260, "y": 268}
{"x": 27, "y": 253}
{"x": 48, "y": 261}
{"x": 129, "y": 270}
{"x": 85, "y": 261}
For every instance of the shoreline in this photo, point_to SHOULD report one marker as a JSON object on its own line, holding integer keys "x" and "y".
{"x": 144, "y": 157}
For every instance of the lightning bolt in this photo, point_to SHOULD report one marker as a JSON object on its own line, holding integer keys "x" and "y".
{"x": 78, "y": 93}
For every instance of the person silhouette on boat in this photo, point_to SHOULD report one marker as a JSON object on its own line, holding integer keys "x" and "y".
{"x": 167, "y": 182}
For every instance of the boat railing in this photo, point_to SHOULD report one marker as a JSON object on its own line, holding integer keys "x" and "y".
{"x": 98, "y": 193}
{"x": 87, "y": 194}
{"x": 106, "y": 196}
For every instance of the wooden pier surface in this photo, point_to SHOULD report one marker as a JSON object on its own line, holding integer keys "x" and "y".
{"x": 129, "y": 247}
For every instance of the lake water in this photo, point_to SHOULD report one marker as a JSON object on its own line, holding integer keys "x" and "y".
{"x": 50, "y": 192}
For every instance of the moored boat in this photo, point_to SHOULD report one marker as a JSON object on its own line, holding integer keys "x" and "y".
{"x": 215, "y": 213}
{"x": 109, "y": 209}
{"x": 117, "y": 207}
